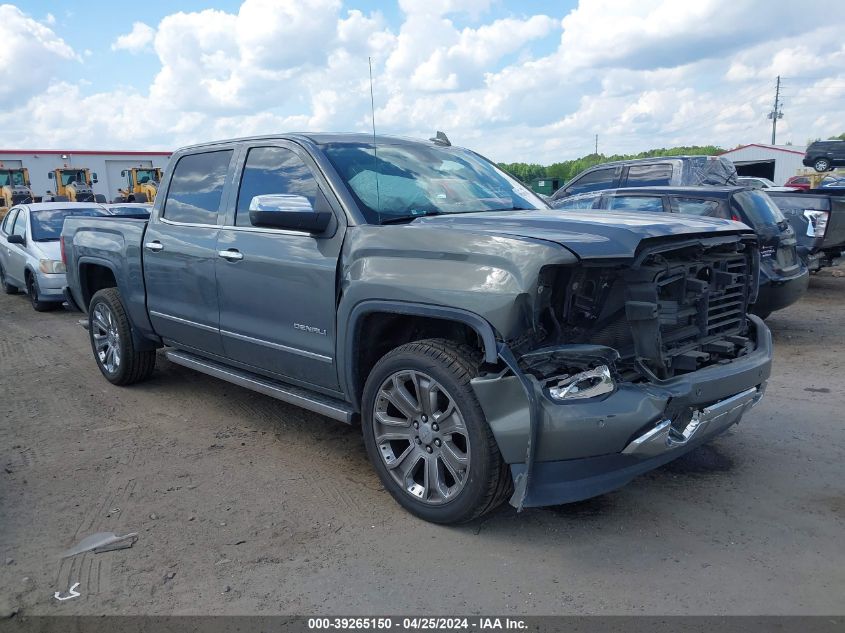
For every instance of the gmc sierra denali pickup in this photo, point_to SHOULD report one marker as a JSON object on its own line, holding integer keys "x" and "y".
{"x": 489, "y": 346}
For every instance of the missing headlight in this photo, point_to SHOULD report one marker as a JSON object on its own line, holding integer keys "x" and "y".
{"x": 586, "y": 384}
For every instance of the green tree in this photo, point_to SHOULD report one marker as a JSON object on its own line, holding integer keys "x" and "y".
{"x": 841, "y": 137}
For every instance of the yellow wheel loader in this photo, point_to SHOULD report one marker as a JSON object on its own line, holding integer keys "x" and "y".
{"x": 73, "y": 184}
{"x": 15, "y": 188}
{"x": 141, "y": 184}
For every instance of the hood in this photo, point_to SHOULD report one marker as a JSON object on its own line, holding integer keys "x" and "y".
{"x": 47, "y": 250}
{"x": 588, "y": 234}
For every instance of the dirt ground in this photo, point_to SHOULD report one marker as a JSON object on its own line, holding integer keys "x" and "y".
{"x": 245, "y": 505}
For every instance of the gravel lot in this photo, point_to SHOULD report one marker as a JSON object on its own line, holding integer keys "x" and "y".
{"x": 247, "y": 505}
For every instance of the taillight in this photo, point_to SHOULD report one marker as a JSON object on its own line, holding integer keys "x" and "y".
{"x": 62, "y": 245}
{"x": 816, "y": 222}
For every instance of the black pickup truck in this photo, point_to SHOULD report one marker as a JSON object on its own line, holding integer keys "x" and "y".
{"x": 490, "y": 347}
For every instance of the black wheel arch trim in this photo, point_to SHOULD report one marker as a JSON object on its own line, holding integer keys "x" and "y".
{"x": 350, "y": 343}
{"x": 140, "y": 340}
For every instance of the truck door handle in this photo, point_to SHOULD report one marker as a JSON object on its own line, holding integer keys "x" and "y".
{"x": 233, "y": 255}
{"x": 154, "y": 246}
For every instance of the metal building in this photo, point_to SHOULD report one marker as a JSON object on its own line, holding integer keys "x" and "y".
{"x": 107, "y": 165}
{"x": 775, "y": 162}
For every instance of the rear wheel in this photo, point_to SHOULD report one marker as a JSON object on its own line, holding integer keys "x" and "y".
{"x": 9, "y": 289}
{"x": 821, "y": 164}
{"x": 111, "y": 341}
{"x": 426, "y": 434}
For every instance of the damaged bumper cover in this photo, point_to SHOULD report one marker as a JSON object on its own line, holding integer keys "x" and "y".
{"x": 562, "y": 451}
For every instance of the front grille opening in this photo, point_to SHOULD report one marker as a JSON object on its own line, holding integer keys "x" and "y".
{"x": 675, "y": 312}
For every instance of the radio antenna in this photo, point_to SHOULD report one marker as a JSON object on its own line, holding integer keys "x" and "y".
{"x": 375, "y": 149}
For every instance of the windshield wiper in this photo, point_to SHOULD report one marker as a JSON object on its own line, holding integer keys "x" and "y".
{"x": 410, "y": 218}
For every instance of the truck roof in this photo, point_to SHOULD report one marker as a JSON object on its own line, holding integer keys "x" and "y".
{"x": 322, "y": 138}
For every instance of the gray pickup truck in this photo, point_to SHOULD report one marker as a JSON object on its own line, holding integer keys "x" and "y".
{"x": 490, "y": 347}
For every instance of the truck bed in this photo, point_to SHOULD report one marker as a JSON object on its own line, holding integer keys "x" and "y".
{"x": 115, "y": 242}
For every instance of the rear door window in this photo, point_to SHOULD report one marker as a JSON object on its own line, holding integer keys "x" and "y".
{"x": 9, "y": 221}
{"x": 595, "y": 180}
{"x": 196, "y": 188}
{"x": 652, "y": 204}
{"x": 649, "y": 175}
{"x": 698, "y": 206}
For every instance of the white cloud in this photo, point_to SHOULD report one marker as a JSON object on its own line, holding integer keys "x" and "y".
{"x": 137, "y": 40}
{"x": 29, "y": 55}
{"x": 640, "y": 73}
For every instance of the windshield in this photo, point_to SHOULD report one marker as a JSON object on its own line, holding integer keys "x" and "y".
{"x": 10, "y": 176}
{"x": 409, "y": 180}
{"x": 73, "y": 176}
{"x": 147, "y": 175}
{"x": 47, "y": 224}
{"x": 759, "y": 208}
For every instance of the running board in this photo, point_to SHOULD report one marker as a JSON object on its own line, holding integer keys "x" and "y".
{"x": 324, "y": 405}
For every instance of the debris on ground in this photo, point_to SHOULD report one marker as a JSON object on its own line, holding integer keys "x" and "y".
{"x": 102, "y": 542}
{"x": 72, "y": 593}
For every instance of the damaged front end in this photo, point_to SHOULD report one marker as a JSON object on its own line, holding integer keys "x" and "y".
{"x": 631, "y": 364}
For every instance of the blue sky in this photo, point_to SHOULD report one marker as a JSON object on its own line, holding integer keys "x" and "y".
{"x": 528, "y": 80}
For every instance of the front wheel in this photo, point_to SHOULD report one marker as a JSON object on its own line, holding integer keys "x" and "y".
{"x": 111, "y": 341}
{"x": 426, "y": 434}
{"x": 822, "y": 164}
{"x": 33, "y": 292}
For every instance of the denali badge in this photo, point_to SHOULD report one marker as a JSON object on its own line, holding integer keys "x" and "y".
{"x": 309, "y": 328}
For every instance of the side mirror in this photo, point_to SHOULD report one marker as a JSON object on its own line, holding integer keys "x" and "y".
{"x": 94, "y": 177}
{"x": 16, "y": 239}
{"x": 51, "y": 175}
{"x": 123, "y": 173}
{"x": 284, "y": 211}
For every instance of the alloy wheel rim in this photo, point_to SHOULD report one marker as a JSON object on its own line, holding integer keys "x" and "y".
{"x": 106, "y": 338}
{"x": 421, "y": 437}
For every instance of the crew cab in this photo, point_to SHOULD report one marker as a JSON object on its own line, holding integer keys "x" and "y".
{"x": 655, "y": 171}
{"x": 489, "y": 347}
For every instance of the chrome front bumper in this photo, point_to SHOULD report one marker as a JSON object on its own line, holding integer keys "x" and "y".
{"x": 712, "y": 419}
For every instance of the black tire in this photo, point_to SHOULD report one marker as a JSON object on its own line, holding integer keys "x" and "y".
{"x": 118, "y": 200}
{"x": 132, "y": 366}
{"x": 32, "y": 291}
{"x": 487, "y": 477}
{"x": 140, "y": 197}
{"x": 59, "y": 199}
{"x": 9, "y": 289}
{"x": 100, "y": 198}
{"x": 821, "y": 164}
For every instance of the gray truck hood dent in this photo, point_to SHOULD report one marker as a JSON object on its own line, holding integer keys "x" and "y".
{"x": 588, "y": 234}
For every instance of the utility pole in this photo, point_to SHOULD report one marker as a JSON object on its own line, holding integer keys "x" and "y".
{"x": 597, "y": 144}
{"x": 776, "y": 112}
